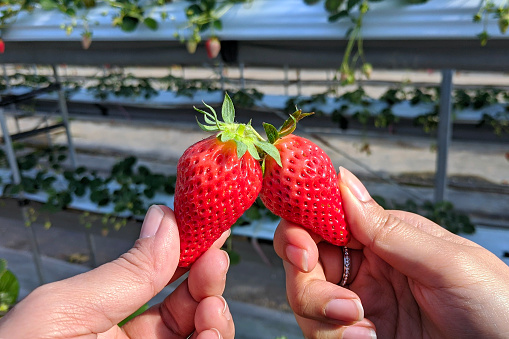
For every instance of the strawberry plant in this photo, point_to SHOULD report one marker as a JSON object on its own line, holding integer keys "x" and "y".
{"x": 205, "y": 15}
{"x": 487, "y": 9}
{"x": 9, "y": 288}
{"x": 122, "y": 85}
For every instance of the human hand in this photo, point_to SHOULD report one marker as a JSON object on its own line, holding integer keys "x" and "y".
{"x": 409, "y": 276}
{"x": 93, "y": 303}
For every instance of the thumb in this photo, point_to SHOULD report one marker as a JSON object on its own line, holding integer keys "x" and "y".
{"x": 95, "y": 301}
{"x": 408, "y": 248}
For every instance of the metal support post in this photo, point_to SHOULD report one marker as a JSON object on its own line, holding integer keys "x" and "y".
{"x": 65, "y": 117}
{"x": 242, "y": 79}
{"x": 92, "y": 248}
{"x": 11, "y": 157}
{"x": 444, "y": 135}
{"x": 221, "y": 74}
{"x": 12, "y": 106}
{"x": 299, "y": 84}
{"x": 286, "y": 79}
{"x": 36, "y": 253}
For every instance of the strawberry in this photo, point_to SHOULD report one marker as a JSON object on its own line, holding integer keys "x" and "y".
{"x": 304, "y": 189}
{"x": 218, "y": 179}
{"x": 213, "y": 46}
{"x": 86, "y": 39}
{"x": 191, "y": 46}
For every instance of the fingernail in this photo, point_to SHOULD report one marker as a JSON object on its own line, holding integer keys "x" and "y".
{"x": 152, "y": 221}
{"x": 359, "y": 332}
{"x": 354, "y": 184}
{"x": 227, "y": 258}
{"x": 298, "y": 257}
{"x": 219, "y": 336}
{"x": 345, "y": 310}
{"x": 226, "y": 309}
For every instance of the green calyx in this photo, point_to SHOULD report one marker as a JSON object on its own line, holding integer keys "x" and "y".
{"x": 274, "y": 134}
{"x": 244, "y": 135}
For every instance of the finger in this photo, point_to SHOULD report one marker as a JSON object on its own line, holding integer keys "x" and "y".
{"x": 332, "y": 261}
{"x": 95, "y": 301}
{"x": 214, "y": 313}
{"x": 311, "y": 297}
{"x": 176, "y": 314}
{"x": 217, "y": 244}
{"x": 296, "y": 245}
{"x": 363, "y": 329}
{"x": 409, "y": 249}
{"x": 430, "y": 227}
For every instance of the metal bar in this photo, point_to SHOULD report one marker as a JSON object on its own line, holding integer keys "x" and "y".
{"x": 444, "y": 135}
{"x": 11, "y": 157}
{"x": 36, "y": 253}
{"x": 221, "y": 75}
{"x": 92, "y": 248}
{"x": 36, "y": 131}
{"x": 65, "y": 118}
{"x": 299, "y": 83}
{"x": 286, "y": 80}
{"x": 242, "y": 80}
{"x": 13, "y": 99}
{"x": 48, "y": 134}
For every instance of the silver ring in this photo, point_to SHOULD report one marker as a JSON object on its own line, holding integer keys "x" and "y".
{"x": 346, "y": 266}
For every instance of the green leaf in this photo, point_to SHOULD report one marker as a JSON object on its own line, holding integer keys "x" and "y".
{"x": 271, "y": 150}
{"x": 241, "y": 148}
{"x": 332, "y": 6}
{"x": 227, "y": 136}
{"x": 253, "y": 151}
{"x": 272, "y": 132}
{"x": 227, "y": 110}
{"x": 193, "y": 10}
{"x": 218, "y": 25}
{"x": 209, "y": 118}
{"x": 206, "y": 128}
{"x": 151, "y": 23}
{"x": 311, "y": 2}
{"x": 3, "y": 266}
{"x": 70, "y": 12}
{"x": 337, "y": 16}
{"x": 48, "y": 4}
{"x": 129, "y": 24}
{"x": 291, "y": 123}
{"x": 9, "y": 288}
{"x": 351, "y": 4}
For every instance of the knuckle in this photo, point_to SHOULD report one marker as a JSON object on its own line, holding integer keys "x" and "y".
{"x": 388, "y": 224}
{"x": 301, "y": 303}
{"x": 139, "y": 262}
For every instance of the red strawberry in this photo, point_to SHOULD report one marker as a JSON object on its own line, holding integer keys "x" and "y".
{"x": 218, "y": 179}
{"x": 305, "y": 188}
{"x": 213, "y": 46}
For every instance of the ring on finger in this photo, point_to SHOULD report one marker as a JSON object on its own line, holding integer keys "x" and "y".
{"x": 346, "y": 267}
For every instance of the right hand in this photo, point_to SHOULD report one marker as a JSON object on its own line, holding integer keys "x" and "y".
{"x": 410, "y": 277}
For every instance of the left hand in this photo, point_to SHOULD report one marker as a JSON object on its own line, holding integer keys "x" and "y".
{"x": 91, "y": 304}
